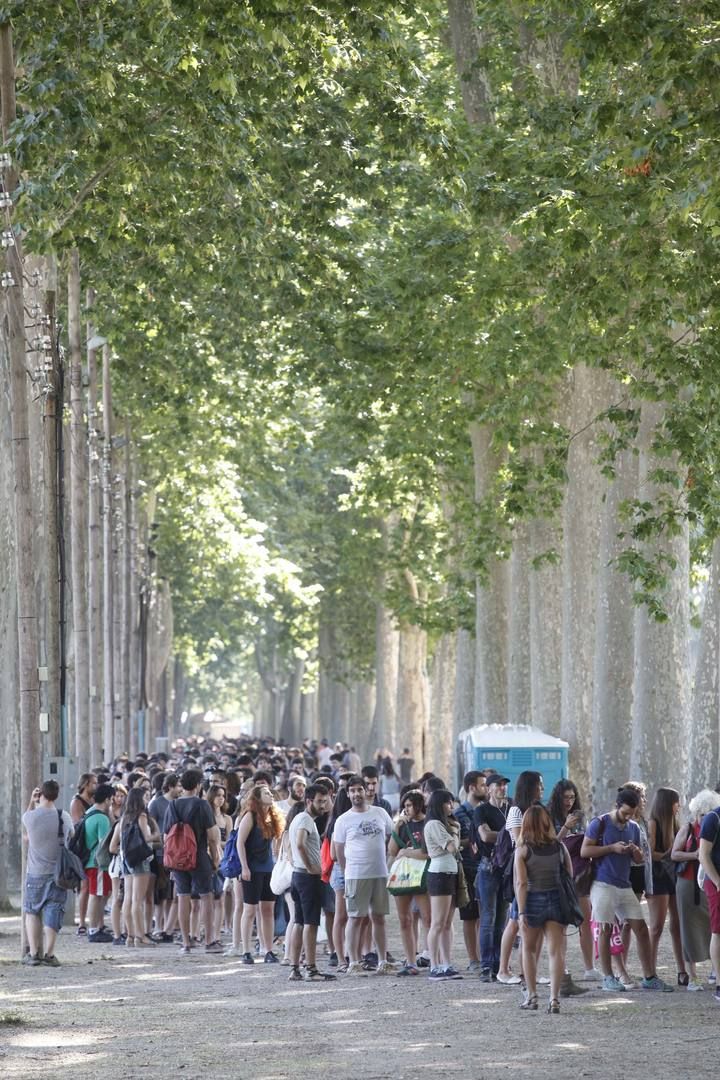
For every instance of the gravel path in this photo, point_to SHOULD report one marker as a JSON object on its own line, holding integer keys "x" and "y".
{"x": 147, "y": 1012}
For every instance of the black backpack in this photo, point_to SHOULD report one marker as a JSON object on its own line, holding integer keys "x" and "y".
{"x": 78, "y": 841}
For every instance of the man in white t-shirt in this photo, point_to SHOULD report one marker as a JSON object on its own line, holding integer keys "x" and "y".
{"x": 306, "y": 888}
{"x": 360, "y": 839}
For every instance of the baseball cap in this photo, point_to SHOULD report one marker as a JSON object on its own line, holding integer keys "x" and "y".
{"x": 496, "y": 778}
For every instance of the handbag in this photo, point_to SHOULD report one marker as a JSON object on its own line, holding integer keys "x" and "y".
{"x": 462, "y": 895}
{"x": 135, "y": 847}
{"x": 407, "y": 876}
{"x": 282, "y": 871}
{"x": 281, "y": 876}
{"x": 69, "y": 873}
{"x": 570, "y": 910}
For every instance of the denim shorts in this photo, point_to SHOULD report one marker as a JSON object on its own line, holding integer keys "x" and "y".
{"x": 337, "y": 877}
{"x": 46, "y": 900}
{"x": 542, "y": 907}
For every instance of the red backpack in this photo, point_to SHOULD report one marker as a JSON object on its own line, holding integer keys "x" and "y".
{"x": 180, "y": 850}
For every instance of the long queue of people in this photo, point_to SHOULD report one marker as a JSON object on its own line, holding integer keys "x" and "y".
{"x": 263, "y": 846}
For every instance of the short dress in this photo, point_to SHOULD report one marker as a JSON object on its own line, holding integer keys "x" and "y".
{"x": 543, "y": 874}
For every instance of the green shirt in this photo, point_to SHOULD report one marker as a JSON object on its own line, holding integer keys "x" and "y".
{"x": 97, "y": 826}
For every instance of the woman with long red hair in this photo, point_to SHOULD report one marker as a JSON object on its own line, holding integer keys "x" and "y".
{"x": 260, "y": 826}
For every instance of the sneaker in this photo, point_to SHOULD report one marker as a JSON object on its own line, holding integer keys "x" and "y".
{"x": 683, "y": 978}
{"x": 333, "y": 960}
{"x": 656, "y": 983}
{"x": 438, "y": 974}
{"x": 285, "y": 962}
{"x": 164, "y": 939}
{"x": 234, "y": 950}
{"x": 422, "y": 961}
{"x": 389, "y": 958}
{"x": 370, "y": 961}
{"x": 611, "y": 984}
{"x": 355, "y": 968}
{"x": 31, "y": 960}
{"x": 103, "y": 937}
{"x": 185, "y": 950}
{"x": 712, "y": 978}
{"x": 542, "y": 980}
{"x": 118, "y": 940}
{"x": 508, "y": 980}
{"x": 474, "y": 967}
{"x": 385, "y": 968}
{"x": 215, "y": 948}
{"x": 628, "y": 982}
{"x": 409, "y": 969}
{"x": 694, "y": 987}
{"x": 247, "y": 958}
{"x": 50, "y": 961}
{"x": 270, "y": 958}
{"x": 591, "y": 975}
{"x": 486, "y": 975}
{"x": 313, "y": 975}
{"x": 295, "y": 975}
{"x": 452, "y": 973}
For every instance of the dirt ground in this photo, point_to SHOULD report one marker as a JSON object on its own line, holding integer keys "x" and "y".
{"x": 156, "y": 1012}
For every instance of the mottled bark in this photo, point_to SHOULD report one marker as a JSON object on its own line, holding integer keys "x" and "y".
{"x": 704, "y": 738}
{"x": 441, "y": 743}
{"x": 492, "y": 604}
{"x": 614, "y": 645}
{"x": 519, "y": 674}
{"x": 587, "y": 390}
{"x": 661, "y": 735}
{"x": 545, "y": 614}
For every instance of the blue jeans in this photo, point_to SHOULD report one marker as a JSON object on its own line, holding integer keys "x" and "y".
{"x": 493, "y": 913}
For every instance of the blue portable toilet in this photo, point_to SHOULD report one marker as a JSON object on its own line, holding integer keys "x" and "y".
{"x": 511, "y": 749}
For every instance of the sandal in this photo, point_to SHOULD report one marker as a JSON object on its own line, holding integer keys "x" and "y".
{"x": 530, "y": 1003}
{"x": 553, "y": 1006}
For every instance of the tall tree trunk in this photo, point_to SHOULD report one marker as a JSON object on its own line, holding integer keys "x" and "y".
{"x": 581, "y": 531}
{"x": 125, "y": 562}
{"x": 52, "y": 424}
{"x": 94, "y": 599}
{"x": 519, "y": 684}
{"x": 492, "y": 604}
{"x": 290, "y": 731}
{"x": 441, "y": 749}
{"x": 412, "y": 694}
{"x": 108, "y": 567}
{"x": 614, "y": 646}
{"x": 383, "y": 730}
{"x": 660, "y": 734}
{"x": 546, "y": 609}
{"x": 14, "y": 330}
{"x": 704, "y": 734}
{"x": 464, "y": 690}
{"x": 78, "y": 518}
{"x": 9, "y": 673}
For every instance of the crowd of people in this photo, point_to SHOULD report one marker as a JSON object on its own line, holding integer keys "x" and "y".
{"x": 274, "y": 849}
